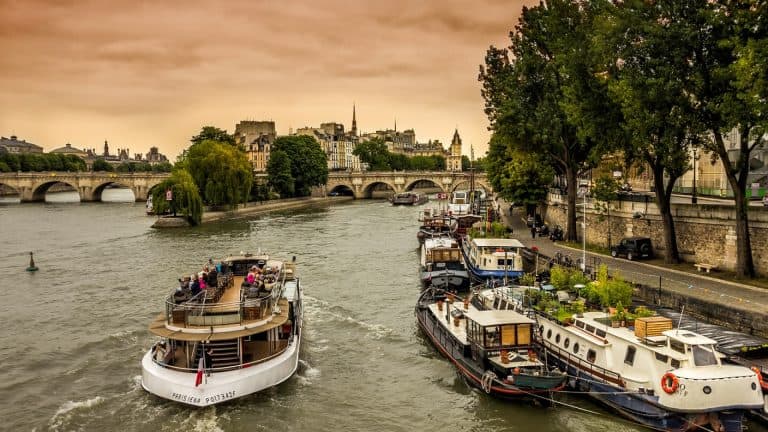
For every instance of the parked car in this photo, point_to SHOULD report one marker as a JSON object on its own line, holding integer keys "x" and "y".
{"x": 633, "y": 247}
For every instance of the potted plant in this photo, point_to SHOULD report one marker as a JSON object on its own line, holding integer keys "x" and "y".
{"x": 620, "y": 317}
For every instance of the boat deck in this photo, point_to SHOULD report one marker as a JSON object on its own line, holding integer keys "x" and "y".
{"x": 460, "y": 331}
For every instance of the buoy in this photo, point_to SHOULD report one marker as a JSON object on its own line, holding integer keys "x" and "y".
{"x": 32, "y": 267}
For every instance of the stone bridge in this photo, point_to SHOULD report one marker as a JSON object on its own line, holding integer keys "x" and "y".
{"x": 364, "y": 184}
{"x": 32, "y": 186}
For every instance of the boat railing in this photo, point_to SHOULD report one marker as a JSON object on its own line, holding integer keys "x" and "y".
{"x": 584, "y": 365}
{"x": 275, "y": 351}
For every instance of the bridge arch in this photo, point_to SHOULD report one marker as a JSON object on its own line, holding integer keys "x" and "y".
{"x": 378, "y": 189}
{"x": 341, "y": 189}
{"x": 39, "y": 191}
{"x": 424, "y": 183}
{"x": 99, "y": 189}
{"x": 465, "y": 184}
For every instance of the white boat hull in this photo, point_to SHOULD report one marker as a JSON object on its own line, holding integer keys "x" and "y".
{"x": 179, "y": 386}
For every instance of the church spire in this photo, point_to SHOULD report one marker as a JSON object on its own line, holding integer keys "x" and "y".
{"x": 354, "y": 121}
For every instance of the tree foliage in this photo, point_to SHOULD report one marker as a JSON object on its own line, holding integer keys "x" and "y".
{"x": 186, "y": 197}
{"x": 537, "y": 91}
{"x": 522, "y": 178}
{"x": 25, "y": 162}
{"x": 102, "y": 165}
{"x": 279, "y": 172}
{"x": 374, "y": 153}
{"x": 308, "y": 162}
{"x": 213, "y": 133}
{"x": 221, "y": 172}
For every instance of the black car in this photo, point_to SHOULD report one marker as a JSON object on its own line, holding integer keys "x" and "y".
{"x": 633, "y": 247}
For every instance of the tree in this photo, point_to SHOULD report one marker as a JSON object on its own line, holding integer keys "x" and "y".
{"x": 517, "y": 176}
{"x": 102, "y": 165}
{"x": 645, "y": 66}
{"x": 309, "y": 165}
{"x": 214, "y": 134}
{"x": 727, "y": 51}
{"x": 374, "y": 153}
{"x": 221, "y": 172}
{"x": 186, "y": 197}
{"x": 279, "y": 172}
{"x": 537, "y": 92}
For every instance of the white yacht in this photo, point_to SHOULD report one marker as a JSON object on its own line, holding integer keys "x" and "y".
{"x": 493, "y": 258}
{"x": 231, "y": 339}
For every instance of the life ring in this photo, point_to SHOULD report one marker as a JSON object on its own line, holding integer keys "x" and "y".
{"x": 759, "y": 374}
{"x": 669, "y": 383}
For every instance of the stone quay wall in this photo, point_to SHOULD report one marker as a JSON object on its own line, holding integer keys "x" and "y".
{"x": 705, "y": 233}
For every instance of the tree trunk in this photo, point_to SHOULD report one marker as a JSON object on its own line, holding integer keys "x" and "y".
{"x": 663, "y": 194}
{"x": 737, "y": 178}
{"x": 570, "y": 229}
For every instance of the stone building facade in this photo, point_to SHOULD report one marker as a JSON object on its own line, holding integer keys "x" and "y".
{"x": 453, "y": 162}
{"x": 257, "y": 138}
{"x": 15, "y": 145}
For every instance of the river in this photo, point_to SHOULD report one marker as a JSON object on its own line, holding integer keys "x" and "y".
{"x": 74, "y": 332}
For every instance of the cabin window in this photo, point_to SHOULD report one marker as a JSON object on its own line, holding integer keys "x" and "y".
{"x": 524, "y": 334}
{"x": 576, "y": 348}
{"x": 674, "y": 363}
{"x": 703, "y": 355}
{"x": 557, "y": 338}
{"x": 567, "y": 342}
{"x": 503, "y": 305}
{"x": 629, "y": 357}
{"x": 600, "y": 332}
{"x": 590, "y": 328}
{"x": 549, "y": 334}
{"x": 508, "y": 335}
{"x": 661, "y": 357}
{"x": 491, "y": 337}
{"x": 496, "y": 302}
{"x": 677, "y": 346}
{"x": 580, "y": 324}
{"x": 591, "y": 356}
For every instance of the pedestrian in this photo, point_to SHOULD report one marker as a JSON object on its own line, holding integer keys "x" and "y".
{"x": 533, "y": 231}
{"x": 208, "y": 360}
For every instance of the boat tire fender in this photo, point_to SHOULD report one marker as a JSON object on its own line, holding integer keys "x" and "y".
{"x": 669, "y": 383}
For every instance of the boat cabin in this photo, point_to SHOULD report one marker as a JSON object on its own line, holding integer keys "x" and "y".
{"x": 496, "y": 254}
{"x": 504, "y": 338}
{"x": 699, "y": 350}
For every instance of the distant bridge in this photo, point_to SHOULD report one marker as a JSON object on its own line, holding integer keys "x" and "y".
{"x": 32, "y": 186}
{"x": 365, "y": 184}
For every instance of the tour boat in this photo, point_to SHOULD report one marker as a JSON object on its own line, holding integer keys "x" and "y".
{"x": 409, "y": 198}
{"x": 661, "y": 377}
{"x": 492, "y": 349}
{"x": 493, "y": 258}
{"x": 253, "y": 330}
{"x": 442, "y": 265}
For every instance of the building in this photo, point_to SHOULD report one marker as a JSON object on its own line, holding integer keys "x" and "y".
{"x": 69, "y": 150}
{"x": 402, "y": 142}
{"x": 256, "y": 137}
{"x": 14, "y": 145}
{"x": 338, "y": 145}
{"x": 453, "y": 162}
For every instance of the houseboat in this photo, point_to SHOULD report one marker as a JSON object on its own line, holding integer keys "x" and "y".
{"x": 409, "y": 198}
{"x": 438, "y": 225}
{"x": 492, "y": 258}
{"x": 236, "y": 337}
{"x": 664, "y": 378}
{"x": 442, "y": 265}
{"x": 459, "y": 204}
{"x": 492, "y": 349}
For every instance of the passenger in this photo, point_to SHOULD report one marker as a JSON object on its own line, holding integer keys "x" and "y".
{"x": 160, "y": 352}
{"x": 213, "y": 277}
{"x": 208, "y": 360}
{"x": 195, "y": 286}
{"x": 251, "y": 278}
{"x": 179, "y": 296}
{"x": 201, "y": 280}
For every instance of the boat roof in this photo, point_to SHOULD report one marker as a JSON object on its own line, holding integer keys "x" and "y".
{"x": 444, "y": 241}
{"x": 245, "y": 256}
{"x": 497, "y": 242}
{"x": 688, "y": 337}
{"x": 496, "y": 317}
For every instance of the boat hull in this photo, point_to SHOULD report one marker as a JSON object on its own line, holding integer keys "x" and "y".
{"x": 179, "y": 386}
{"x": 450, "y": 280}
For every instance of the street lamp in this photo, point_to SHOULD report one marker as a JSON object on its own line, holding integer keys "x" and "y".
{"x": 694, "y": 199}
{"x": 584, "y": 230}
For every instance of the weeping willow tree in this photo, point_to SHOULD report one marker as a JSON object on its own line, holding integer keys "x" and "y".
{"x": 221, "y": 172}
{"x": 186, "y": 198}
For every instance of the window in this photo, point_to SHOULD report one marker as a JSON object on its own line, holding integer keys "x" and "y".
{"x": 677, "y": 346}
{"x": 549, "y": 334}
{"x": 576, "y": 348}
{"x": 590, "y": 328}
{"x": 629, "y": 357}
{"x": 567, "y": 342}
{"x": 661, "y": 357}
{"x": 591, "y": 356}
{"x": 600, "y": 333}
{"x": 674, "y": 363}
{"x": 703, "y": 355}
{"x": 580, "y": 324}
{"x": 557, "y": 338}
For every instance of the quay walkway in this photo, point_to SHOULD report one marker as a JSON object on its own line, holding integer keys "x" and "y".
{"x": 722, "y": 295}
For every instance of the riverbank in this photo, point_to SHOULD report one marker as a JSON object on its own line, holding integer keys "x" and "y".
{"x": 253, "y": 208}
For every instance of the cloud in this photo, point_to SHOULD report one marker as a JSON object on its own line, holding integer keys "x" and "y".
{"x": 100, "y": 66}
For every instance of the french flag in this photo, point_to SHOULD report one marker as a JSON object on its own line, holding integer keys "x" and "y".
{"x": 199, "y": 377}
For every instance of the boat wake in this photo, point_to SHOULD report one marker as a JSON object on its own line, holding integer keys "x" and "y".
{"x": 69, "y": 409}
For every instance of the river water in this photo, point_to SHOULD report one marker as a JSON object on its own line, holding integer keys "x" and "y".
{"x": 74, "y": 332}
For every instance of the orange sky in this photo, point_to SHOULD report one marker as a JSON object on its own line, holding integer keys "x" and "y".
{"x": 141, "y": 73}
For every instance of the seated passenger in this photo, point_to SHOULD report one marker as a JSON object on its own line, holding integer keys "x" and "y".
{"x": 160, "y": 352}
{"x": 195, "y": 286}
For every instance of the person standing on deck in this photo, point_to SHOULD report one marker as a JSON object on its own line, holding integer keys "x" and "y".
{"x": 208, "y": 360}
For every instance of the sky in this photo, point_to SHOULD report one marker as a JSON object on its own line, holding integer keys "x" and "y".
{"x": 152, "y": 73}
